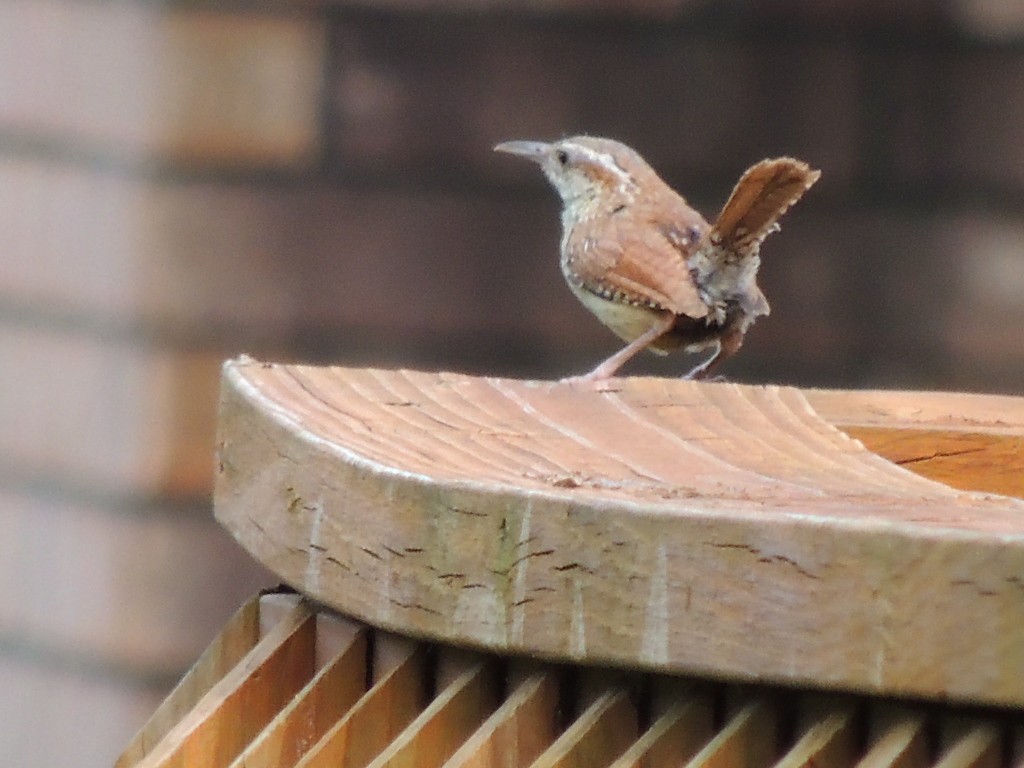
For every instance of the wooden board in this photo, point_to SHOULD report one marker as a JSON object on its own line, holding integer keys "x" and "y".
{"x": 337, "y": 685}
{"x": 973, "y": 442}
{"x": 239, "y": 706}
{"x": 601, "y": 733}
{"x": 238, "y": 637}
{"x": 517, "y": 732}
{"x": 710, "y": 529}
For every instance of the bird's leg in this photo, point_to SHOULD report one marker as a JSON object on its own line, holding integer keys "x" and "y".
{"x": 728, "y": 345}
{"x": 611, "y": 366}
{"x": 702, "y": 370}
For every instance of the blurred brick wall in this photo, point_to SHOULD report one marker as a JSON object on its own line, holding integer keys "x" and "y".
{"x": 180, "y": 183}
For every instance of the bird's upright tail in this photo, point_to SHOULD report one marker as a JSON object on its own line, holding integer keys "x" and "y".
{"x": 761, "y": 196}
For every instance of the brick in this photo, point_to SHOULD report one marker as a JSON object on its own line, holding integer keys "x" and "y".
{"x": 903, "y": 136}
{"x": 985, "y": 118}
{"x": 110, "y": 246}
{"x": 66, "y": 717}
{"x": 240, "y": 265}
{"x": 412, "y": 278}
{"x": 143, "y": 592}
{"x": 988, "y": 19}
{"x": 993, "y": 280}
{"x": 433, "y": 98}
{"x": 856, "y": 299}
{"x": 378, "y": 277}
{"x": 981, "y": 328}
{"x": 710, "y": 107}
{"x": 640, "y": 9}
{"x": 105, "y": 414}
{"x": 888, "y": 299}
{"x": 429, "y": 100}
{"x": 449, "y": 281}
{"x": 829, "y": 14}
{"x": 136, "y": 80}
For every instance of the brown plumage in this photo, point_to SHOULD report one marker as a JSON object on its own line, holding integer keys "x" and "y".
{"x": 648, "y": 265}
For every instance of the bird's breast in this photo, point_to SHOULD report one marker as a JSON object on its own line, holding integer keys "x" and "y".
{"x": 627, "y": 321}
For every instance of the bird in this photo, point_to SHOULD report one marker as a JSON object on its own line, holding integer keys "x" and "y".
{"x": 648, "y": 265}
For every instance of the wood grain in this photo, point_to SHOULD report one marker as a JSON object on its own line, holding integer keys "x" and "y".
{"x": 897, "y": 739}
{"x": 239, "y": 706}
{"x": 427, "y": 702}
{"x": 332, "y": 691}
{"x": 462, "y": 703}
{"x": 708, "y": 529}
{"x": 681, "y": 724}
{"x": 970, "y": 743}
{"x": 827, "y": 738}
{"x": 383, "y": 712}
{"x": 518, "y": 731}
{"x": 748, "y": 739}
{"x": 603, "y": 731}
{"x": 230, "y": 646}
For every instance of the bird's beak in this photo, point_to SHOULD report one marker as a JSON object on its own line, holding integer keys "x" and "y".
{"x": 531, "y": 150}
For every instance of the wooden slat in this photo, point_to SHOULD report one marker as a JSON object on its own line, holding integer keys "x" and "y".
{"x": 970, "y": 743}
{"x": 335, "y": 635}
{"x": 649, "y": 526}
{"x": 332, "y": 691}
{"x": 443, "y": 707}
{"x": 396, "y": 697}
{"x": 602, "y": 732}
{"x": 240, "y": 705}
{"x": 681, "y": 725}
{"x": 897, "y": 739}
{"x": 233, "y": 642}
{"x": 748, "y": 739}
{"x": 276, "y": 607}
{"x": 456, "y": 711}
{"x": 518, "y": 731}
{"x": 827, "y": 737}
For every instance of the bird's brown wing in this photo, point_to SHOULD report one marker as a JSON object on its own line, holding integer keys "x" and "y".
{"x": 642, "y": 259}
{"x": 761, "y": 196}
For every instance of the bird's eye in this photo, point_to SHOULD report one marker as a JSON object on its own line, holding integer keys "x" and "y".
{"x": 563, "y": 156}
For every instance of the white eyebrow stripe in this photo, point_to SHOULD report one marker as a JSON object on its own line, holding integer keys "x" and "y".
{"x": 604, "y": 160}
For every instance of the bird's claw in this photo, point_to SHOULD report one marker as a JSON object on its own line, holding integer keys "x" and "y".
{"x": 591, "y": 383}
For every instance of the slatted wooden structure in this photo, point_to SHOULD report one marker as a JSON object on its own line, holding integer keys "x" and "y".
{"x": 502, "y": 572}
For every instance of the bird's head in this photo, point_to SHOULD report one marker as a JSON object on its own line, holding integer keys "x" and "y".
{"x": 585, "y": 168}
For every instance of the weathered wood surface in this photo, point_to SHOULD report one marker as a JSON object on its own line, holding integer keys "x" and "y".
{"x": 405, "y": 703}
{"x": 711, "y": 529}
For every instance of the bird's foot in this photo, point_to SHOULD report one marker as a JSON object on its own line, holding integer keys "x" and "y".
{"x": 592, "y": 383}
{"x": 701, "y": 374}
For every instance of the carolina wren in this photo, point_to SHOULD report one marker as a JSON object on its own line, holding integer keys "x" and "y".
{"x": 646, "y": 263}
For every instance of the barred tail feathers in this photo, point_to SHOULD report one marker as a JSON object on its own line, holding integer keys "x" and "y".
{"x": 761, "y": 196}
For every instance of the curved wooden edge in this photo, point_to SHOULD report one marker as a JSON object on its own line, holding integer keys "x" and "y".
{"x": 463, "y": 710}
{"x": 927, "y": 411}
{"x": 716, "y": 530}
